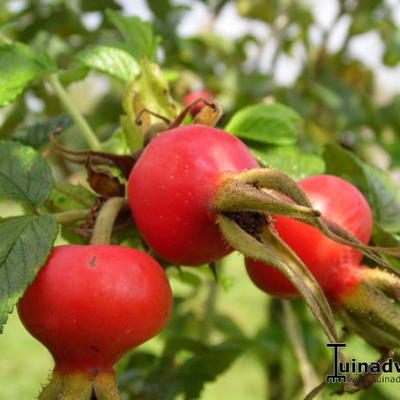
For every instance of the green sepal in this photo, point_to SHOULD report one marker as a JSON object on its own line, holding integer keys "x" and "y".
{"x": 271, "y": 179}
{"x": 271, "y": 250}
{"x": 371, "y": 314}
{"x": 81, "y": 386}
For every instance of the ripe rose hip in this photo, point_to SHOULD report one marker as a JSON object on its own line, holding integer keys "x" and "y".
{"x": 338, "y": 201}
{"x": 171, "y": 191}
{"x": 91, "y": 304}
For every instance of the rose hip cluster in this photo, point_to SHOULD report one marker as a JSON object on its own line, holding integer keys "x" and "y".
{"x": 196, "y": 193}
{"x": 190, "y": 180}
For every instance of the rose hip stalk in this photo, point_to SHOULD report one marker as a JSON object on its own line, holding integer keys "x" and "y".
{"x": 91, "y": 304}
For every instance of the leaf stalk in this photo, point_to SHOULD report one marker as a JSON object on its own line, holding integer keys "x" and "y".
{"x": 67, "y": 102}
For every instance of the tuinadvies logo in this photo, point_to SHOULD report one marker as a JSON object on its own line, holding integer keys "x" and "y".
{"x": 342, "y": 368}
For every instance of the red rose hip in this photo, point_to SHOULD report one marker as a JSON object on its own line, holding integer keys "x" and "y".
{"x": 91, "y": 304}
{"x": 338, "y": 201}
{"x": 172, "y": 187}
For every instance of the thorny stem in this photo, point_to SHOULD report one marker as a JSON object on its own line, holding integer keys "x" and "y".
{"x": 94, "y": 160}
{"x": 105, "y": 220}
{"x": 86, "y": 130}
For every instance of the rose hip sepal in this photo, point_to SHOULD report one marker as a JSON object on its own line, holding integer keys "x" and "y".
{"x": 364, "y": 298}
{"x": 89, "y": 305}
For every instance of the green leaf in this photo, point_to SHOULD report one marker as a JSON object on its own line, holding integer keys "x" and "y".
{"x": 26, "y": 243}
{"x": 162, "y": 9}
{"x": 171, "y": 75}
{"x": 385, "y": 198}
{"x": 112, "y": 60}
{"x": 205, "y": 367}
{"x": 19, "y": 65}
{"x": 290, "y": 160}
{"x": 72, "y": 75}
{"x": 137, "y": 33}
{"x": 386, "y": 239}
{"x": 228, "y": 327}
{"x": 265, "y": 123}
{"x": 38, "y": 134}
{"x": 189, "y": 278}
{"x": 116, "y": 143}
{"x": 203, "y": 364}
{"x": 67, "y": 196}
{"x": 382, "y": 193}
{"x": 24, "y": 174}
{"x": 183, "y": 370}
